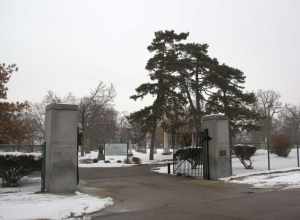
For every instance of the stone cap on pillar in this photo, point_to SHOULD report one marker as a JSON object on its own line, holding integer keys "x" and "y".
{"x": 214, "y": 117}
{"x": 56, "y": 106}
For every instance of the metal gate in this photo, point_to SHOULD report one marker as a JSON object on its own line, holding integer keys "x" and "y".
{"x": 193, "y": 161}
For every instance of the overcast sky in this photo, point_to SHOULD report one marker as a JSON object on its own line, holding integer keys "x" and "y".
{"x": 68, "y": 46}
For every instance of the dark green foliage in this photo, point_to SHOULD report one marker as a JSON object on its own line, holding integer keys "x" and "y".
{"x": 192, "y": 155}
{"x": 230, "y": 99}
{"x": 161, "y": 66}
{"x": 13, "y": 168}
{"x": 281, "y": 145}
{"x": 194, "y": 66}
{"x": 136, "y": 160}
{"x": 244, "y": 153}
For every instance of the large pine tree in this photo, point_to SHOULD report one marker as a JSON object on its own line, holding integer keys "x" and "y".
{"x": 163, "y": 84}
{"x": 229, "y": 98}
{"x": 194, "y": 66}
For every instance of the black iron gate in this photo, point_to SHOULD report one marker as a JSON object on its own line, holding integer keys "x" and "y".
{"x": 193, "y": 161}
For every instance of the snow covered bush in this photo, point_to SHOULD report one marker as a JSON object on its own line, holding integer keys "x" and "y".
{"x": 244, "y": 152}
{"x": 281, "y": 145}
{"x": 15, "y": 166}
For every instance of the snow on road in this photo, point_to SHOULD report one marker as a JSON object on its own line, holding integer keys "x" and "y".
{"x": 26, "y": 203}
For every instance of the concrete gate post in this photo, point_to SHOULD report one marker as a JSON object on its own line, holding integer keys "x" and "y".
{"x": 219, "y": 150}
{"x": 61, "y": 148}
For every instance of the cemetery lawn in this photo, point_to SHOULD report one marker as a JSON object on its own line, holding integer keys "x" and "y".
{"x": 283, "y": 179}
{"x": 26, "y": 202}
{"x": 119, "y": 161}
{"x": 260, "y": 163}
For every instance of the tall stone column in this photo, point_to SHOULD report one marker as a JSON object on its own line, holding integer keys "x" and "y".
{"x": 61, "y": 148}
{"x": 219, "y": 150}
{"x": 166, "y": 143}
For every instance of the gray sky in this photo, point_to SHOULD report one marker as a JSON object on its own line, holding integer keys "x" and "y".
{"x": 68, "y": 46}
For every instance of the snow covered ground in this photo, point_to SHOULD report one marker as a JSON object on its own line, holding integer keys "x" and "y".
{"x": 284, "y": 180}
{"x": 260, "y": 163}
{"x": 34, "y": 154}
{"x": 118, "y": 161}
{"x": 26, "y": 203}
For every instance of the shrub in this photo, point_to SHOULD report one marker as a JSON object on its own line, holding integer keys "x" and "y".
{"x": 245, "y": 152}
{"x": 13, "y": 167}
{"x": 136, "y": 160}
{"x": 127, "y": 161}
{"x": 281, "y": 145}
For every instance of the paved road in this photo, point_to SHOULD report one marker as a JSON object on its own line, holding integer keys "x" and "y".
{"x": 141, "y": 194}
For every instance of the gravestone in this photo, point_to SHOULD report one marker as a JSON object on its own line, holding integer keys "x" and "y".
{"x": 219, "y": 150}
{"x": 115, "y": 149}
{"x": 61, "y": 148}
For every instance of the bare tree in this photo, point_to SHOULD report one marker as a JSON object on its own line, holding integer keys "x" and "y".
{"x": 92, "y": 108}
{"x": 290, "y": 123}
{"x": 268, "y": 105}
{"x": 38, "y": 111}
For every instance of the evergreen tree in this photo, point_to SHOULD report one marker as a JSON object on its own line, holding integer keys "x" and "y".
{"x": 228, "y": 97}
{"x": 163, "y": 82}
{"x": 194, "y": 66}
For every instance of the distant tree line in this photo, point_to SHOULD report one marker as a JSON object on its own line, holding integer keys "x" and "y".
{"x": 99, "y": 121}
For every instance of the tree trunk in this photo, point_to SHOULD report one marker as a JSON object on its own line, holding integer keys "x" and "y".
{"x": 153, "y": 134}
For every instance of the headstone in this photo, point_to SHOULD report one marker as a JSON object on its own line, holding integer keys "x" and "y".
{"x": 115, "y": 149}
{"x": 219, "y": 150}
{"x": 61, "y": 148}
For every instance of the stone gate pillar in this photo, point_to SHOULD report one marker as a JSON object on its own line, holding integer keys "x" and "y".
{"x": 61, "y": 148}
{"x": 219, "y": 150}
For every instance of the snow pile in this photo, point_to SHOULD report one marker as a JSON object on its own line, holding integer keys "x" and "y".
{"x": 25, "y": 203}
{"x": 285, "y": 180}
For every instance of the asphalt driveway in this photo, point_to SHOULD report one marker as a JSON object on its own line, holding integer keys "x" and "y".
{"x": 139, "y": 193}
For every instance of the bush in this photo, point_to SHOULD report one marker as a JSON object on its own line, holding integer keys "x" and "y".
{"x": 14, "y": 167}
{"x": 281, "y": 145}
{"x": 127, "y": 161}
{"x": 245, "y": 152}
{"x": 136, "y": 160}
